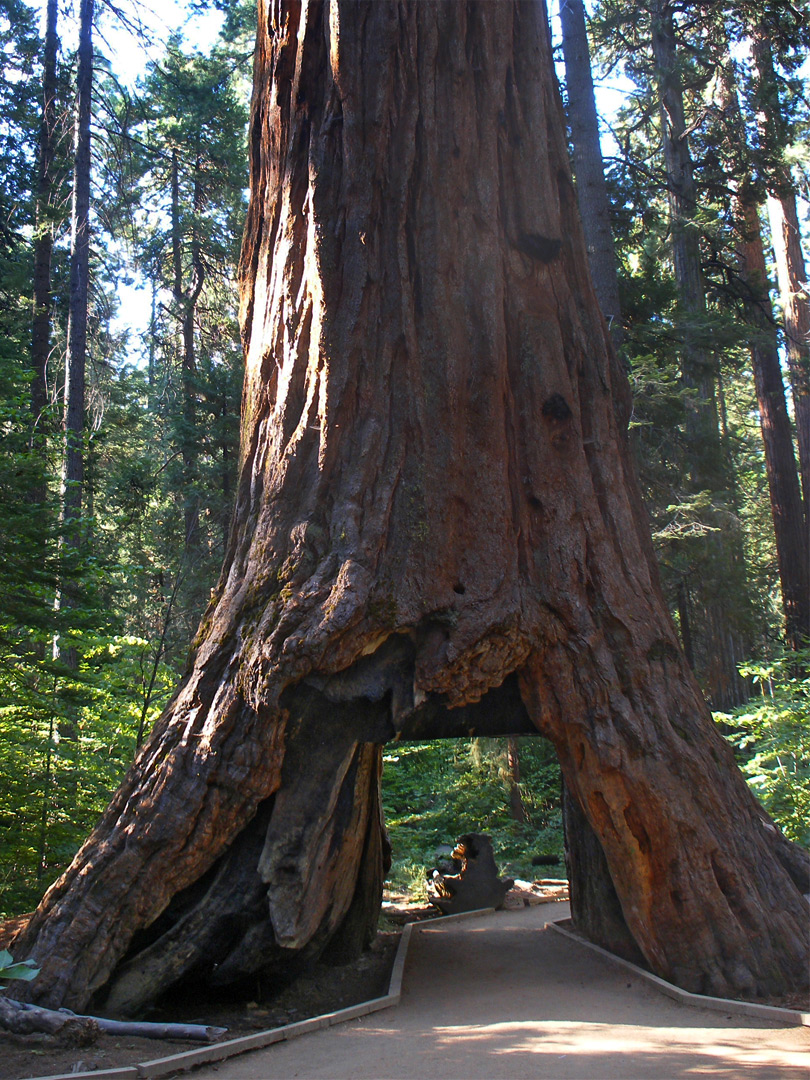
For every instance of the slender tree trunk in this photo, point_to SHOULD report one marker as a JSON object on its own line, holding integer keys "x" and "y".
{"x": 793, "y": 554}
{"x": 43, "y": 244}
{"x": 73, "y": 478}
{"x": 152, "y": 359}
{"x": 185, "y": 299}
{"x": 697, "y": 367}
{"x": 176, "y": 232}
{"x": 792, "y": 277}
{"x": 516, "y": 807}
{"x": 792, "y": 550}
{"x": 790, "y": 263}
{"x": 589, "y": 168}
{"x": 436, "y": 508}
{"x": 72, "y": 471}
{"x": 706, "y": 461}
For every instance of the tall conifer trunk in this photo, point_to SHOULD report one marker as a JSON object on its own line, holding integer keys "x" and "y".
{"x": 793, "y": 553}
{"x": 792, "y": 278}
{"x": 75, "y": 362}
{"x": 185, "y": 299}
{"x": 436, "y": 517}
{"x": 792, "y": 547}
{"x": 790, "y": 263}
{"x": 43, "y": 244}
{"x": 73, "y": 454}
{"x": 705, "y": 453}
{"x": 589, "y": 168}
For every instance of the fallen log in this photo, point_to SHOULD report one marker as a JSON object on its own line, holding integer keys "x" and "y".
{"x": 21, "y": 1018}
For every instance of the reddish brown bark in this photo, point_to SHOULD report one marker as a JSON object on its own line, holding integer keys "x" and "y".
{"x": 790, "y": 262}
{"x": 792, "y": 550}
{"x": 595, "y": 907}
{"x": 435, "y": 505}
{"x": 796, "y": 303}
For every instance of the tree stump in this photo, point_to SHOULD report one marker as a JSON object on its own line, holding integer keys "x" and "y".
{"x": 476, "y": 885}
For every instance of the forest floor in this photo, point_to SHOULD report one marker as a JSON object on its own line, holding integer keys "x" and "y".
{"x": 322, "y": 989}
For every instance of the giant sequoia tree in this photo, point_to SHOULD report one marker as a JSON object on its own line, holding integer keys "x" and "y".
{"x": 437, "y": 529}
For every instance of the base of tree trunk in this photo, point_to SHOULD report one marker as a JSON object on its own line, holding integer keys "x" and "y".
{"x": 595, "y": 908}
{"x": 307, "y": 870}
{"x": 436, "y": 520}
{"x": 303, "y": 876}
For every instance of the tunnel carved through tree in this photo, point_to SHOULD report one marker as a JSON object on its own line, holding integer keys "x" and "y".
{"x": 437, "y": 523}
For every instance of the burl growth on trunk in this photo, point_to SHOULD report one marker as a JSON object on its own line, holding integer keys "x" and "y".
{"x": 437, "y": 529}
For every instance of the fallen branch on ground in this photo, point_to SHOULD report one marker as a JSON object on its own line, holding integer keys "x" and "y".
{"x": 20, "y": 1018}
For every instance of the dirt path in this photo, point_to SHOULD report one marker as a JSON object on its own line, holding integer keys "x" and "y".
{"x": 498, "y": 997}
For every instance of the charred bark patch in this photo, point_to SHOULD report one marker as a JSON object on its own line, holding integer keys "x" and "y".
{"x": 663, "y": 651}
{"x": 543, "y": 249}
{"x": 556, "y": 408}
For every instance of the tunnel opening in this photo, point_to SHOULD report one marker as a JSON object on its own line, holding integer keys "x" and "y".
{"x": 359, "y": 751}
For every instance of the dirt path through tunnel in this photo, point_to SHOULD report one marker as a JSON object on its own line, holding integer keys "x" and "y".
{"x": 499, "y": 997}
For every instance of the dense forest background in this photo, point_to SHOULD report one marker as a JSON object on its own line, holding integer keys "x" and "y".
{"x": 122, "y": 200}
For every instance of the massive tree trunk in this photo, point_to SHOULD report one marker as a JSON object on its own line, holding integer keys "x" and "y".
{"x": 436, "y": 518}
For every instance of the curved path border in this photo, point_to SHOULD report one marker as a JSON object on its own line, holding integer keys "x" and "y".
{"x": 177, "y": 1063}
{"x": 209, "y": 1055}
{"x": 698, "y": 1001}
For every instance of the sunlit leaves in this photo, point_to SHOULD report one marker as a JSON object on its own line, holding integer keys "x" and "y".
{"x": 772, "y": 736}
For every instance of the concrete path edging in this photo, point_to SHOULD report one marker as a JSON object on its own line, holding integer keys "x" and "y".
{"x": 209, "y": 1055}
{"x": 699, "y": 1001}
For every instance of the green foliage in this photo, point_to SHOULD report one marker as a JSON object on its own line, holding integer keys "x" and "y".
{"x": 433, "y": 792}
{"x": 771, "y": 736}
{"x": 703, "y": 476}
{"x": 168, "y": 452}
{"x": 25, "y": 970}
{"x": 67, "y": 738}
{"x": 70, "y": 717}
